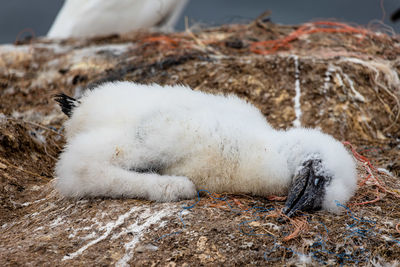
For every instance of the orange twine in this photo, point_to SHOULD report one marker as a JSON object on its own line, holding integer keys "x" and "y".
{"x": 271, "y": 46}
{"x": 277, "y": 198}
{"x": 299, "y": 225}
{"x": 370, "y": 168}
{"x": 223, "y": 204}
{"x": 163, "y": 40}
{"x": 378, "y": 197}
{"x": 237, "y": 202}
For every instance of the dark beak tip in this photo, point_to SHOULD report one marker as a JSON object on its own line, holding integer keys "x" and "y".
{"x": 287, "y": 211}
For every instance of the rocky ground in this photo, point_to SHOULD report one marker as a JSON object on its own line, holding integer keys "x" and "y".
{"x": 347, "y": 81}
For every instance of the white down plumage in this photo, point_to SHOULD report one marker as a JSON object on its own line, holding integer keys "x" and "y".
{"x": 164, "y": 142}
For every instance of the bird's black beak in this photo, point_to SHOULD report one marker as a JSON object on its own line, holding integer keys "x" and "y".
{"x": 308, "y": 188}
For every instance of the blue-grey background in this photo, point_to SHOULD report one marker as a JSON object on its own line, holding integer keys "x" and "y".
{"x": 17, "y": 15}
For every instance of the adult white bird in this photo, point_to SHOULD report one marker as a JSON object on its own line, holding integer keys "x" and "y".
{"x": 85, "y": 18}
{"x": 162, "y": 143}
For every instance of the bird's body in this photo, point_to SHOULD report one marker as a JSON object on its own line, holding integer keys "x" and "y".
{"x": 83, "y": 18}
{"x": 163, "y": 143}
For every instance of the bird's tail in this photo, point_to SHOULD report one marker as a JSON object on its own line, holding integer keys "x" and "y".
{"x": 67, "y": 103}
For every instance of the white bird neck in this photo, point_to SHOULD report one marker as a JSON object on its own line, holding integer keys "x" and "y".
{"x": 297, "y": 145}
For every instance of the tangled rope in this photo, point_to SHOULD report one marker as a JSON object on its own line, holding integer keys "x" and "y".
{"x": 256, "y": 210}
{"x": 271, "y": 46}
{"x": 372, "y": 178}
{"x": 354, "y": 232}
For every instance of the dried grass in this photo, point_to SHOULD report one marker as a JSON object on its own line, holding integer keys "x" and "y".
{"x": 259, "y": 68}
{"x": 322, "y": 238}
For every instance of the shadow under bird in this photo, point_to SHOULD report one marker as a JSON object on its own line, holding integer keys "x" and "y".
{"x": 163, "y": 143}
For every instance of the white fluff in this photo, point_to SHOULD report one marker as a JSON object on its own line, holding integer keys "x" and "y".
{"x": 195, "y": 140}
{"x": 80, "y": 18}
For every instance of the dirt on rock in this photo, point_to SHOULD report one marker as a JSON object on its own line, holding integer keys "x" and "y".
{"x": 347, "y": 81}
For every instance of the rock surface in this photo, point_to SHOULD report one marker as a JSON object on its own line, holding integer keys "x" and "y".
{"x": 344, "y": 82}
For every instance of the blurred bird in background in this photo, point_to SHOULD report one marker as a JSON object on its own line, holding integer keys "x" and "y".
{"x": 78, "y": 18}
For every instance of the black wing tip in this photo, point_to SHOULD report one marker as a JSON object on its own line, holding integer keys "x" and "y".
{"x": 66, "y": 103}
{"x": 395, "y": 16}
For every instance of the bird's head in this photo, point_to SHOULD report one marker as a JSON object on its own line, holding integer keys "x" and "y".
{"x": 324, "y": 173}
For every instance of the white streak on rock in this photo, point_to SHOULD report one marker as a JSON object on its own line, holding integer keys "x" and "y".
{"x": 273, "y": 226}
{"x": 297, "y": 107}
{"x": 138, "y": 231}
{"x": 327, "y": 78}
{"x": 339, "y": 79}
{"x": 86, "y": 52}
{"x": 383, "y": 67}
{"x": 357, "y": 94}
{"x": 34, "y": 202}
{"x": 3, "y": 118}
{"x": 109, "y": 228}
{"x": 76, "y": 230}
{"x": 38, "y": 229}
{"x": 57, "y": 221}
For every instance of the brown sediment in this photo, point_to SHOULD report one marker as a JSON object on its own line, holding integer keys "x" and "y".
{"x": 349, "y": 87}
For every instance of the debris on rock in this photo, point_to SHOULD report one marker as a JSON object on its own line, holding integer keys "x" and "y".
{"x": 339, "y": 78}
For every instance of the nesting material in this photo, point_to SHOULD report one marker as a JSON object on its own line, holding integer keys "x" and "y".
{"x": 349, "y": 87}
